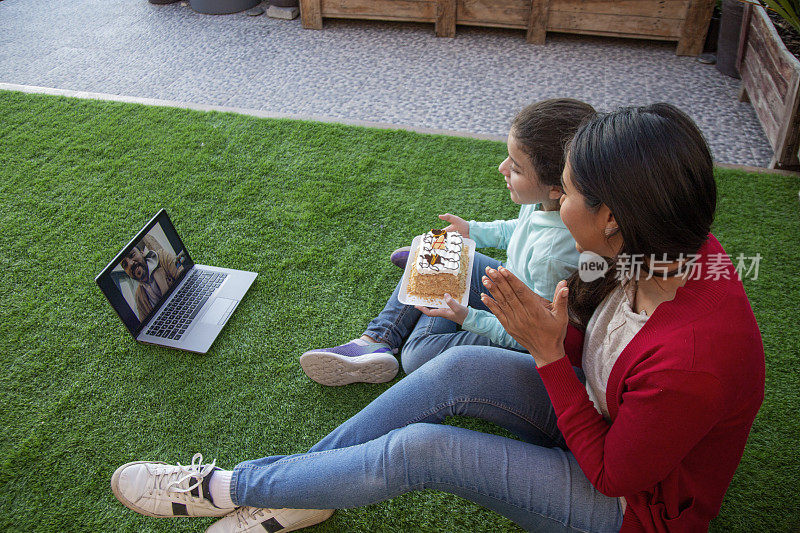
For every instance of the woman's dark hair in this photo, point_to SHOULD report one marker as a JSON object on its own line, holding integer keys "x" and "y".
{"x": 543, "y": 130}
{"x": 652, "y": 167}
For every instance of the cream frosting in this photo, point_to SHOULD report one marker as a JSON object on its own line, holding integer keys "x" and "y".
{"x": 440, "y": 253}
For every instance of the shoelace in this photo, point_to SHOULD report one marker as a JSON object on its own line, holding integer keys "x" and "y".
{"x": 194, "y": 470}
{"x": 245, "y": 514}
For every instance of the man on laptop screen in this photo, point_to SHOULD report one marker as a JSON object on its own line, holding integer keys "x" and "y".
{"x": 153, "y": 268}
{"x": 163, "y": 297}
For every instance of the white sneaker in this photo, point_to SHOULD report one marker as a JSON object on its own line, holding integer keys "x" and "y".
{"x": 157, "y": 489}
{"x": 253, "y": 519}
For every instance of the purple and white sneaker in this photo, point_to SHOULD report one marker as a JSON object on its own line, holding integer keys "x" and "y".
{"x": 357, "y": 361}
{"x": 400, "y": 256}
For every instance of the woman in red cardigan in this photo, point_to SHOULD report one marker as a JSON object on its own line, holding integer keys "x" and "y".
{"x": 631, "y": 409}
{"x": 675, "y": 373}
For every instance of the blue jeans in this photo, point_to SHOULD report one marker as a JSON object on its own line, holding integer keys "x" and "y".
{"x": 422, "y": 337}
{"x": 398, "y": 444}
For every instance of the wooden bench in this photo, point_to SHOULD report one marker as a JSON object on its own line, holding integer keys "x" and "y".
{"x": 684, "y": 21}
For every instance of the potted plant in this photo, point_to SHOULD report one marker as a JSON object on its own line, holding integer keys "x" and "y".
{"x": 771, "y": 76}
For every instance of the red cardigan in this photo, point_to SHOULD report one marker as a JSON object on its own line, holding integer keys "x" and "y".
{"x": 682, "y": 397}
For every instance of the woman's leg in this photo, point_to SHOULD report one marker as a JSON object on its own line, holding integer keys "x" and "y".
{"x": 396, "y": 444}
{"x": 494, "y": 384}
{"x": 539, "y": 488}
{"x": 431, "y": 337}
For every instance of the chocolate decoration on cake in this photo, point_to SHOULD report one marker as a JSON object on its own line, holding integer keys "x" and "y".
{"x": 440, "y": 252}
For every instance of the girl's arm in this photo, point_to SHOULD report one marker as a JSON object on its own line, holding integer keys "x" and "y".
{"x": 486, "y": 324}
{"x": 492, "y": 234}
{"x": 542, "y": 274}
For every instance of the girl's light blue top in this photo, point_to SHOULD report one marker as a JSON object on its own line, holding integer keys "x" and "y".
{"x": 540, "y": 251}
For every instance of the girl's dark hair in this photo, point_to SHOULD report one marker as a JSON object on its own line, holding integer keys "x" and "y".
{"x": 543, "y": 130}
{"x": 652, "y": 167}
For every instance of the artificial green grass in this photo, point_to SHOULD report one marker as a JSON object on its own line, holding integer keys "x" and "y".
{"x": 315, "y": 209}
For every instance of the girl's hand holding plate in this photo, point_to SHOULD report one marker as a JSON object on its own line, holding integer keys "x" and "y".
{"x": 454, "y": 310}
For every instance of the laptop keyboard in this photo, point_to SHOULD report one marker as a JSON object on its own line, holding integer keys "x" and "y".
{"x": 181, "y": 310}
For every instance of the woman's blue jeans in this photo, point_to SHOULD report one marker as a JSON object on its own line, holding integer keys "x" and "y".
{"x": 398, "y": 444}
{"x": 422, "y": 337}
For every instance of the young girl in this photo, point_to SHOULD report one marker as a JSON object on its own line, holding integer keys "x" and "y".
{"x": 539, "y": 248}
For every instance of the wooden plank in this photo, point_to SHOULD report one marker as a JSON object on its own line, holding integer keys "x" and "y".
{"x": 671, "y": 9}
{"x": 761, "y": 78}
{"x": 514, "y": 13}
{"x": 618, "y": 35}
{"x": 388, "y": 18}
{"x": 446, "y": 18}
{"x": 500, "y": 13}
{"x": 417, "y": 10}
{"x": 520, "y": 26}
{"x": 537, "y": 22}
{"x": 760, "y": 106}
{"x": 654, "y": 27}
{"x": 743, "y": 34}
{"x": 310, "y": 14}
{"x": 771, "y": 78}
{"x": 695, "y": 27}
{"x": 769, "y": 62}
{"x": 785, "y": 63}
{"x": 788, "y": 138}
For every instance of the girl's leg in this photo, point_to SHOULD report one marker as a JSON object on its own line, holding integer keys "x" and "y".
{"x": 362, "y": 361}
{"x": 476, "y": 287}
{"x": 394, "y": 324}
{"x": 541, "y": 489}
{"x": 433, "y": 335}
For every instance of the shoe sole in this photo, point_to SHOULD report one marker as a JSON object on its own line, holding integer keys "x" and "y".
{"x": 132, "y": 506}
{"x": 334, "y": 370}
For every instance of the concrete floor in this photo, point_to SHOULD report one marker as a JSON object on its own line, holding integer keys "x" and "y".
{"x": 393, "y": 73}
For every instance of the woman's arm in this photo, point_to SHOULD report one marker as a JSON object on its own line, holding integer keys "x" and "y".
{"x": 662, "y": 415}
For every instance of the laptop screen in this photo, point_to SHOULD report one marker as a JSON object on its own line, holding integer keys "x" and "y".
{"x": 144, "y": 273}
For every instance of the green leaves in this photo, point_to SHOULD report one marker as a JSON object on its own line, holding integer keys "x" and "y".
{"x": 789, "y": 10}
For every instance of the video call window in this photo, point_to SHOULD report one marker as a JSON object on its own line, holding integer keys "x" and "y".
{"x": 148, "y": 271}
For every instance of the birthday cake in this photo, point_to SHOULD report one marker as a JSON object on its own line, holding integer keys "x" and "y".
{"x": 440, "y": 266}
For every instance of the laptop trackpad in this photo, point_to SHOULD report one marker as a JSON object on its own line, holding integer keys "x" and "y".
{"x": 218, "y": 312}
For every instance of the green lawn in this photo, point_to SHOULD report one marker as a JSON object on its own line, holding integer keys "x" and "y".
{"x": 315, "y": 209}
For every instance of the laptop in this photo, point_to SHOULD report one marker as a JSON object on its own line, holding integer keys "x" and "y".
{"x": 163, "y": 297}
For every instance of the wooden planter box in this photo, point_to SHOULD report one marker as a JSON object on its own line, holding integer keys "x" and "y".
{"x": 770, "y": 80}
{"x": 684, "y": 21}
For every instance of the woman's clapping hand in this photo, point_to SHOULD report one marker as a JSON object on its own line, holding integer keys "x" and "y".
{"x": 536, "y": 323}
